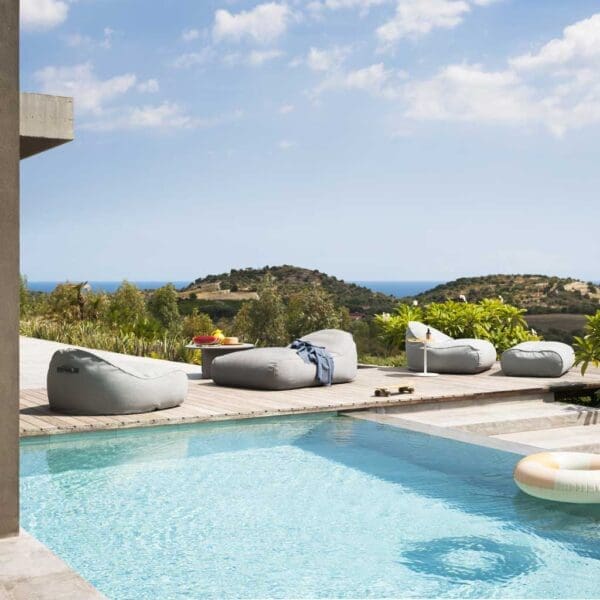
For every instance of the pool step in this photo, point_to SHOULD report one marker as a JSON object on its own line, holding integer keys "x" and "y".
{"x": 524, "y": 423}
{"x": 578, "y": 438}
{"x": 495, "y": 417}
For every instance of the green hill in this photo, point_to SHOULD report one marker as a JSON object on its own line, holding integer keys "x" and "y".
{"x": 539, "y": 294}
{"x": 240, "y": 284}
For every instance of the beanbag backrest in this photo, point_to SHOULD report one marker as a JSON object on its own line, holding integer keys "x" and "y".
{"x": 538, "y": 359}
{"x": 282, "y": 368}
{"x": 419, "y": 331}
{"x": 446, "y": 355}
{"x": 340, "y": 344}
{"x": 90, "y": 383}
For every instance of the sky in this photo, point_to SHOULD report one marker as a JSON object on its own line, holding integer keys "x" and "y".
{"x": 371, "y": 139}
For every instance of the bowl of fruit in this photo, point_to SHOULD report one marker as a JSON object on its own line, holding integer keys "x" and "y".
{"x": 204, "y": 340}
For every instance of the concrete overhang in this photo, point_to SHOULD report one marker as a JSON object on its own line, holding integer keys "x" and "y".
{"x": 46, "y": 122}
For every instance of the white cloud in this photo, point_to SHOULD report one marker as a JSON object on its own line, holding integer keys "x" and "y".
{"x": 469, "y": 93}
{"x": 326, "y": 59}
{"x": 43, "y": 14}
{"x": 286, "y": 109}
{"x": 258, "y": 57}
{"x": 580, "y": 42}
{"x": 149, "y": 86}
{"x": 374, "y": 79}
{"x": 415, "y": 18}
{"x": 286, "y": 144}
{"x": 263, "y": 24}
{"x": 188, "y": 35}
{"x": 192, "y": 59}
{"x": 108, "y": 35}
{"x": 80, "y": 81}
{"x": 77, "y": 40}
{"x": 557, "y": 87}
{"x": 164, "y": 117}
{"x": 161, "y": 116}
{"x": 318, "y": 7}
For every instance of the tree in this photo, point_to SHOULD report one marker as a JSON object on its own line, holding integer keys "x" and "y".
{"x": 127, "y": 306}
{"x": 197, "y": 323}
{"x": 263, "y": 321}
{"x": 311, "y": 309}
{"x": 62, "y": 303}
{"x": 163, "y": 306}
{"x": 24, "y": 296}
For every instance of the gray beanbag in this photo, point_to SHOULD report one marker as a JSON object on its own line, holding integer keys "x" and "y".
{"x": 538, "y": 359}
{"x": 447, "y": 355}
{"x": 89, "y": 383}
{"x": 282, "y": 368}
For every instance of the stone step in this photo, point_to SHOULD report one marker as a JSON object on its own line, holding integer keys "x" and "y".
{"x": 578, "y": 438}
{"x": 495, "y": 417}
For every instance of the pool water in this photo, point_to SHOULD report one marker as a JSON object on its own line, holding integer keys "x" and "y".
{"x": 301, "y": 507}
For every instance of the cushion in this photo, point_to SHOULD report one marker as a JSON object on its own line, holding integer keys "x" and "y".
{"x": 446, "y": 355}
{"x": 282, "y": 368}
{"x": 538, "y": 359}
{"x": 87, "y": 382}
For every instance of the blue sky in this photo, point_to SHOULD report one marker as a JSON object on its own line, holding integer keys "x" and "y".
{"x": 371, "y": 139}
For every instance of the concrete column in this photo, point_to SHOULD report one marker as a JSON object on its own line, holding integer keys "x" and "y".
{"x": 9, "y": 267}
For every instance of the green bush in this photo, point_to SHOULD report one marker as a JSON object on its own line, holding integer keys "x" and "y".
{"x": 162, "y": 305}
{"x": 587, "y": 347}
{"x": 263, "y": 321}
{"x": 310, "y": 310}
{"x": 502, "y": 324}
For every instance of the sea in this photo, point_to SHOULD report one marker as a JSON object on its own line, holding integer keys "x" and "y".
{"x": 398, "y": 289}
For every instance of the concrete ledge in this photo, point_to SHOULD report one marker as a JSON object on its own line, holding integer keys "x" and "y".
{"x": 45, "y": 122}
{"x": 29, "y": 571}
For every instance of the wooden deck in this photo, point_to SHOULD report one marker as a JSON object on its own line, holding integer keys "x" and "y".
{"x": 209, "y": 402}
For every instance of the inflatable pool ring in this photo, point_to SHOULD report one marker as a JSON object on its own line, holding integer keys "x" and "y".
{"x": 560, "y": 476}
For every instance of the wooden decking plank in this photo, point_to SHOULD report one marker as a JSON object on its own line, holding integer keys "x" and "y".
{"x": 208, "y": 402}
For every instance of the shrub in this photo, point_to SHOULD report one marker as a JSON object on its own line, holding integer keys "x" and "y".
{"x": 162, "y": 305}
{"x": 196, "y": 323}
{"x": 127, "y": 307}
{"x": 264, "y": 320}
{"x": 102, "y": 337}
{"x": 311, "y": 309}
{"x": 587, "y": 347}
{"x": 502, "y": 324}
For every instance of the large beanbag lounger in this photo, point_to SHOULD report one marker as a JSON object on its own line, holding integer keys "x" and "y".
{"x": 538, "y": 359}
{"x": 445, "y": 354}
{"x": 283, "y": 368}
{"x": 90, "y": 383}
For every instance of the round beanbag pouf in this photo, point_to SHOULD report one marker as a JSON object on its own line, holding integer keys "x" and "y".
{"x": 90, "y": 383}
{"x": 538, "y": 359}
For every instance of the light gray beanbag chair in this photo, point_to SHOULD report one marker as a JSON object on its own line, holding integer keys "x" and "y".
{"x": 90, "y": 383}
{"x": 538, "y": 359}
{"x": 282, "y": 368}
{"x": 447, "y": 355}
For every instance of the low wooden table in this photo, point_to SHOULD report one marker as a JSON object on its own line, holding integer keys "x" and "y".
{"x": 211, "y": 351}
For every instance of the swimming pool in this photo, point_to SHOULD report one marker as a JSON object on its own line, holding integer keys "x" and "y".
{"x": 301, "y": 507}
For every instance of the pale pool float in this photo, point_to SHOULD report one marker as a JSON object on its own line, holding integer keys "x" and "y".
{"x": 560, "y": 476}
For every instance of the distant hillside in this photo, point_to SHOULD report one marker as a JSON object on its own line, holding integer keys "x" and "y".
{"x": 539, "y": 294}
{"x": 240, "y": 284}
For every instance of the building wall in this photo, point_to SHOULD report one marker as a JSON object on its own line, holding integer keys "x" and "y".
{"x": 9, "y": 267}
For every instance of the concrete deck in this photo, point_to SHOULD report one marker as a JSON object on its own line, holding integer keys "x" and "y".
{"x": 29, "y": 571}
{"x": 209, "y": 402}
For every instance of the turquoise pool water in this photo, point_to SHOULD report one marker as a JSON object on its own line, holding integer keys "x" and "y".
{"x": 307, "y": 507}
